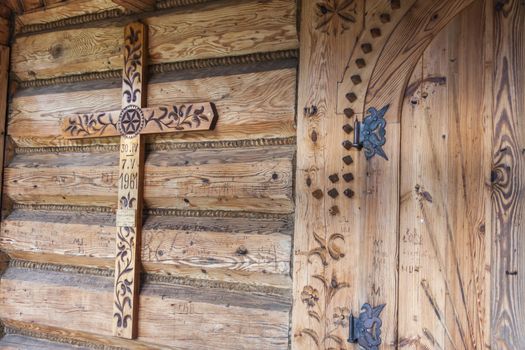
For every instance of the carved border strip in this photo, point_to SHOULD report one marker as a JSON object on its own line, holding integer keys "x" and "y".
{"x": 153, "y": 278}
{"x": 63, "y": 339}
{"x": 157, "y": 211}
{"x": 168, "y": 146}
{"x": 258, "y": 57}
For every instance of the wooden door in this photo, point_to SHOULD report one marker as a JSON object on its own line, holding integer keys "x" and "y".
{"x": 445, "y": 209}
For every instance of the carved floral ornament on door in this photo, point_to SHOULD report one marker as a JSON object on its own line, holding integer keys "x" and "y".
{"x": 132, "y": 122}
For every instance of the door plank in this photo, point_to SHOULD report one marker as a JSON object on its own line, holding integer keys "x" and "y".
{"x": 508, "y": 282}
{"x": 445, "y": 212}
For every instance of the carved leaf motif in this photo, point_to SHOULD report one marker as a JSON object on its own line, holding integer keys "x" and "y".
{"x": 123, "y": 282}
{"x": 312, "y": 334}
{"x": 178, "y": 118}
{"x": 90, "y": 124}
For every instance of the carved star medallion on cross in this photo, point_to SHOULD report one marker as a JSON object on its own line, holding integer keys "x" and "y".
{"x": 131, "y": 122}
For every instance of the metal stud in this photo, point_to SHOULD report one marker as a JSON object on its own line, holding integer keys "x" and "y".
{"x": 347, "y": 145}
{"x": 349, "y": 112}
{"x": 376, "y": 32}
{"x": 348, "y": 177}
{"x": 349, "y": 193}
{"x": 356, "y": 79}
{"x": 351, "y": 97}
{"x": 348, "y": 128}
{"x": 333, "y": 193}
{"x": 348, "y": 160}
{"x": 333, "y": 178}
{"x": 367, "y": 48}
{"x": 318, "y": 194}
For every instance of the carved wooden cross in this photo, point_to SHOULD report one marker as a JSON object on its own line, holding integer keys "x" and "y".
{"x": 131, "y": 122}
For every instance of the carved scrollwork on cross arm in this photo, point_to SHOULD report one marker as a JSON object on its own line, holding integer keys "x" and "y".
{"x": 158, "y": 120}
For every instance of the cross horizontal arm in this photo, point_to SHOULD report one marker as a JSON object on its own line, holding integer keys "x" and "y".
{"x": 157, "y": 120}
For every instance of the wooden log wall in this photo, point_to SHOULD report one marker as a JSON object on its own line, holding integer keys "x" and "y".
{"x": 218, "y": 221}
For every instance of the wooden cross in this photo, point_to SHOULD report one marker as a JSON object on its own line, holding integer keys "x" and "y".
{"x": 130, "y": 123}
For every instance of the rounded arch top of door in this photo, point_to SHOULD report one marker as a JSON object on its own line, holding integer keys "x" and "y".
{"x": 394, "y": 37}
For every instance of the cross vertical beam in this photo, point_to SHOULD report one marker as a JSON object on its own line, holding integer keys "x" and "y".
{"x": 131, "y": 122}
{"x": 130, "y": 184}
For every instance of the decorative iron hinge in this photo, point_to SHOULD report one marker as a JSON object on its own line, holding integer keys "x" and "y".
{"x": 365, "y": 330}
{"x": 369, "y": 135}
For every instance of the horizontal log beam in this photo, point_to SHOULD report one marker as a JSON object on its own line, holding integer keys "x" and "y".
{"x": 253, "y": 251}
{"x": 253, "y": 179}
{"x": 258, "y": 27}
{"x": 137, "y": 5}
{"x": 170, "y": 315}
{"x": 251, "y": 104}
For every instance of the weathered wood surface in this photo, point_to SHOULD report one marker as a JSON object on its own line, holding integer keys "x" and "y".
{"x": 159, "y": 120}
{"x": 250, "y": 179}
{"x": 330, "y": 241}
{"x": 4, "y": 31}
{"x": 21, "y": 342}
{"x": 445, "y": 218}
{"x": 216, "y": 30}
{"x": 130, "y": 185}
{"x": 252, "y": 105}
{"x": 61, "y": 10}
{"x": 136, "y": 5}
{"x": 254, "y": 251}
{"x": 4, "y": 78}
{"x": 508, "y": 282}
{"x": 400, "y": 54}
{"x": 174, "y": 316}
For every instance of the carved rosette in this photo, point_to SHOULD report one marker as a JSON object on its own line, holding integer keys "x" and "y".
{"x": 131, "y": 121}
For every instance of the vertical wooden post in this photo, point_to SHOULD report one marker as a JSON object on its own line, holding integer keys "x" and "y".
{"x": 508, "y": 177}
{"x": 130, "y": 186}
{"x": 327, "y": 231}
{"x": 4, "y": 79}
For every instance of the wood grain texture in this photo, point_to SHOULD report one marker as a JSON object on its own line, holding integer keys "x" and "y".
{"x": 405, "y": 46}
{"x": 130, "y": 184}
{"x": 20, "y": 342}
{"x": 65, "y": 9}
{"x": 253, "y": 179}
{"x": 251, "y": 105}
{"x": 327, "y": 283}
{"x": 245, "y": 27}
{"x": 136, "y": 5}
{"x": 445, "y": 219}
{"x": 4, "y": 78}
{"x": 5, "y": 31}
{"x": 171, "y": 316}
{"x": 159, "y": 120}
{"x": 508, "y": 283}
{"x": 250, "y": 251}
{"x": 376, "y": 33}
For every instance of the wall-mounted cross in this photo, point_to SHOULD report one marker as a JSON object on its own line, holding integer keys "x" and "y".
{"x": 131, "y": 122}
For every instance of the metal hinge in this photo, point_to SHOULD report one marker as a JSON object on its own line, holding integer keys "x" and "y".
{"x": 365, "y": 330}
{"x": 370, "y": 135}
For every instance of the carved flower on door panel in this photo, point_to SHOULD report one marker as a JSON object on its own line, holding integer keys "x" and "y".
{"x": 335, "y": 16}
